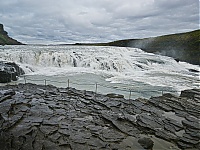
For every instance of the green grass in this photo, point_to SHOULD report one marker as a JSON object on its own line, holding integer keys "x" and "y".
{"x": 2, "y": 39}
{"x": 182, "y": 46}
{"x": 6, "y": 40}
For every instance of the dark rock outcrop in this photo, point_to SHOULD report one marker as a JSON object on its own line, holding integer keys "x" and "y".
{"x": 190, "y": 93}
{"x": 2, "y": 30}
{"x": 45, "y": 117}
{"x": 5, "y": 39}
{"x": 9, "y": 71}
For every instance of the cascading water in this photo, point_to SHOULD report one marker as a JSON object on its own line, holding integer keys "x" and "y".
{"x": 123, "y": 66}
{"x": 104, "y": 58}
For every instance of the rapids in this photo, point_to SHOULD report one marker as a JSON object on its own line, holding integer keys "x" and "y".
{"x": 108, "y": 65}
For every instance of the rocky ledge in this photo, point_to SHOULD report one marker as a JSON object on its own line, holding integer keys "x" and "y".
{"x": 9, "y": 71}
{"x": 37, "y": 117}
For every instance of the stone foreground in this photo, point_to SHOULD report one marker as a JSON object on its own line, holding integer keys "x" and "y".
{"x": 36, "y": 117}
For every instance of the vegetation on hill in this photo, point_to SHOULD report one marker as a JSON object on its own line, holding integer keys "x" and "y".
{"x": 5, "y": 39}
{"x": 182, "y": 46}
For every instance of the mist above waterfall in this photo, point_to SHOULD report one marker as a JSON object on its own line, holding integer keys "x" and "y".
{"x": 142, "y": 44}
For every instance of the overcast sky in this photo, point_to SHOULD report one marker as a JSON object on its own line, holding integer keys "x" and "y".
{"x": 71, "y": 21}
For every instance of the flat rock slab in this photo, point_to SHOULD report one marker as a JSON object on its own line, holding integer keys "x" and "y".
{"x": 37, "y": 117}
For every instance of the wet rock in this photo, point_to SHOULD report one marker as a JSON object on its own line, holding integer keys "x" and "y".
{"x": 47, "y": 129}
{"x": 126, "y": 127}
{"x": 5, "y": 140}
{"x": 184, "y": 145}
{"x": 79, "y": 138}
{"x": 188, "y": 140}
{"x": 45, "y": 117}
{"x": 9, "y": 92}
{"x": 6, "y": 95}
{"x": 113, "y": 95}
{"x": 96, "y": 142}
{"x": 158, "y": 102}
{"x": 147, "y": 143}
{"x": 19, "y": 70}
{"x": 170, "y": 128}
{"x": 5, "y": 77}
{"x": 9, "y": 71}
{"x": 18, "y": 142}
{"x": 165, "y": 135}
{"x": 111, "y": 103}
{"x": 189, "y": 124}
{"x": 2, "y": 120}
{"x": 193, "y": 138}
{"x": 193, "y": 132}
{"x": 3, "y": 98}
{"x": 172, "y": 125}
{"x": 49, "y": 145}
{"x": 192, "y": 119}
{"x": 149, "y": 121}
{"x": 111, "y": 135}
{"x": 190, "y": 93}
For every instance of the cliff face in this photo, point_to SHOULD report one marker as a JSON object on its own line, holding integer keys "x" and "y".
{"x": 5, "y": 39}
{"x": 183, "y": 46}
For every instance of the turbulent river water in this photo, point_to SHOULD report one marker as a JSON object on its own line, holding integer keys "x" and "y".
{"x": 102, "y": 69}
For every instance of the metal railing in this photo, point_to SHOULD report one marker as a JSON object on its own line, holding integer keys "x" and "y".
{"x": 69, "y": 84}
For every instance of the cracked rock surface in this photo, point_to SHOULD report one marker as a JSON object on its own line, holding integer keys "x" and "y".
{"x": 36, "y": 117}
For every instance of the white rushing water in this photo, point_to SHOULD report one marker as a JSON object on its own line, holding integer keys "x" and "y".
{"x": 124, "y": 68}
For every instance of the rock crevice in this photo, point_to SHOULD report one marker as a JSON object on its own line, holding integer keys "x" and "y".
{"x": 45, "y": 117}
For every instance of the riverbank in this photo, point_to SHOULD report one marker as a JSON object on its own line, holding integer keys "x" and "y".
{"x": 46, "y": 117}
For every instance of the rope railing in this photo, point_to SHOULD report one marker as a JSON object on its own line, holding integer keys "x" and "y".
{"x": 54, "y": 81}
{"x": 81, "y": 83}
{"x": 69, "y": 83}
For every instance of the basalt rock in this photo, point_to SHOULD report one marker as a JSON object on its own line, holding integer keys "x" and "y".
{"x": 9, "y": 71}
{"x": 190, "y": 93}
{"x": 40, "y": 117}
{"x": 147, "y": 143}
{"x": 19, "y": 70}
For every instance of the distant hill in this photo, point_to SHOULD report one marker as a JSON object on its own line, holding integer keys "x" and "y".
{"x": 5, "y": 39}
{"x": 181, "y": 46}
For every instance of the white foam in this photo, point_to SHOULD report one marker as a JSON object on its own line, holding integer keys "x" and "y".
{"x": 119, "y": 64}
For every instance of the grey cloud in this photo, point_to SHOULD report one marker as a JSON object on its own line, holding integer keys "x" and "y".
{"x": 46, "y": 21}
{"x": 170, "y": 4}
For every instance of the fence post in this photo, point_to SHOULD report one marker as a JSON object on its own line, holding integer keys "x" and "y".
{"x": 95, "y": 91}
{"x": 45, "y": 82}
{"x": 96, "y": 88}
{"x": 130, "y": 95}
{"x": 162, "y": 92}
{"x": 68, "y": 83}
{"x": 24, "y": 79}
{"x": 68, "y": 86}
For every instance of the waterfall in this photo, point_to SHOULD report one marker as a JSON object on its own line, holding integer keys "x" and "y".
{"x": 119, "y": 63}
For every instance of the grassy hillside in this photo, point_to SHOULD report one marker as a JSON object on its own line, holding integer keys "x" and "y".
{"x": 182, "y": 46}
{"x": 5, "y": 39}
